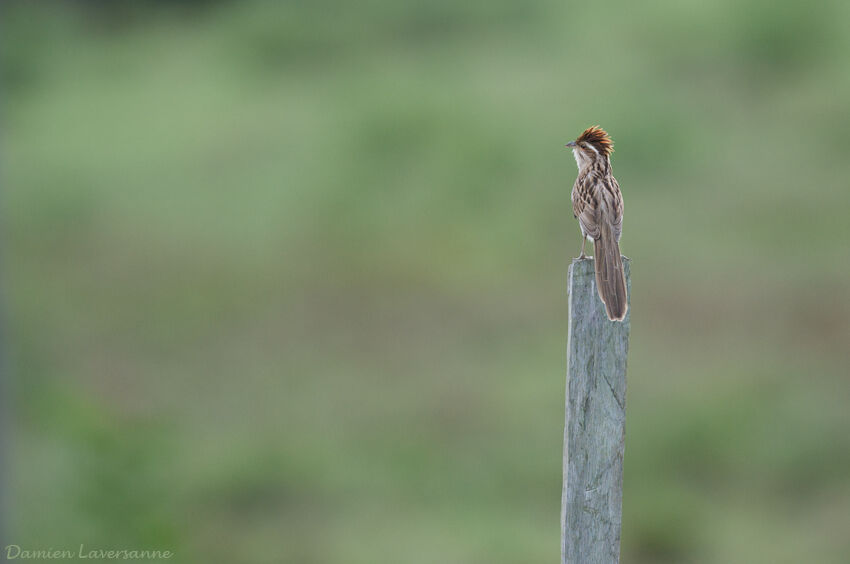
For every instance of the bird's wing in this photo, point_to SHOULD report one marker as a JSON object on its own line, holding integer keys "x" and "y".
{"x": 616, "y": 205}
{"x": 585, "y": 205}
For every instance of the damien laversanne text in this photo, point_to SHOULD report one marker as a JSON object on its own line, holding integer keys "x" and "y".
{"x": 15, "y": 552}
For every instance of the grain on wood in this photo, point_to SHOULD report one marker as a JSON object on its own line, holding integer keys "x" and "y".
{"x": 594, "y": 432}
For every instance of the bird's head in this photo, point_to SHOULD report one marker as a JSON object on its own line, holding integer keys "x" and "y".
{"x": 593, "y": 145}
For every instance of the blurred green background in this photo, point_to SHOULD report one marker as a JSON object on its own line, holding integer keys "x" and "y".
{"x": 285, "y": 282}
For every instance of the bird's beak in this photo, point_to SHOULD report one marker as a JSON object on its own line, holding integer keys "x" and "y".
{"x": 570, "y": 144}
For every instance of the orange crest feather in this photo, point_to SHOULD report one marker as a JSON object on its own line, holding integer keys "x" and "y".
{"x": 597, "y": 137}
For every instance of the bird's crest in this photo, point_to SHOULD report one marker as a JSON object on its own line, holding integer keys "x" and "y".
{"x": 597, "y": 137}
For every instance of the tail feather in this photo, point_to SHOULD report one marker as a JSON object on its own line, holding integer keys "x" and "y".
{"x": 610, "y": 278}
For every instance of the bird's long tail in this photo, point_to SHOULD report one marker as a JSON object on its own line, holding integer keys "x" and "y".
{"x": 610, "y": 278}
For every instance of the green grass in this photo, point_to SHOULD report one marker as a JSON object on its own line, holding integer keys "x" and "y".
{"x": 286, "y": 283}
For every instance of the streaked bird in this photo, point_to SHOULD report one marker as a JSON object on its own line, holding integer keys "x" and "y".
{"x": 598, "y": 205}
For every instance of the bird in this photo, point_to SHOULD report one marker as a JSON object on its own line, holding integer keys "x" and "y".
{"x": 598, "y": 206}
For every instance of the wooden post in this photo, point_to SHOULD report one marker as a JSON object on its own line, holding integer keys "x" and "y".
{"x": 595, "y": 429}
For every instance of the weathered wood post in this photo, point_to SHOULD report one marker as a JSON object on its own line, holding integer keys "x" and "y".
{"x": 595, "y": 429}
